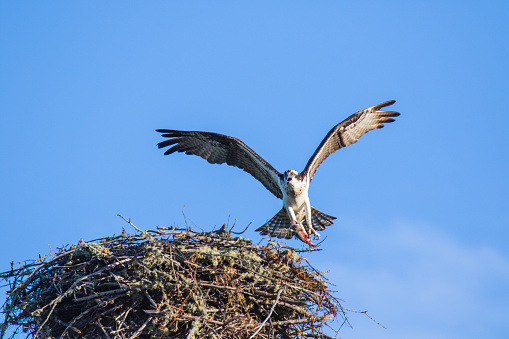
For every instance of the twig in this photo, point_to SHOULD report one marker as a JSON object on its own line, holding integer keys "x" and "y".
{"x": 245, "y": 229}
{"x": 138, "y": 332}
{"x": 46, "y": 320}
{"x": 68, "y": 326}
{"x": 367, "y": 315}
{"x": 152, "y": 302}
{"x": 196, "y": 325}
{"x": 101, "y": 294}
{"x": 268, "y": 316}
{"x": 130, "y": 223}
{"x": 119, "y": 329}
{"x": 304, "y": 320}
{"x": 185, "y": 219}
{"x": 102, "y": 328}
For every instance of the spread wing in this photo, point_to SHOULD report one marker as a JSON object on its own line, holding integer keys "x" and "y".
{"x": 348, "y": 132}
{"x": 220, "y": 149}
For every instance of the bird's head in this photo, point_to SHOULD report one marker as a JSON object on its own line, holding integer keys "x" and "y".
{"x": 293, "y": 183}
{"x": 290, "y": 175}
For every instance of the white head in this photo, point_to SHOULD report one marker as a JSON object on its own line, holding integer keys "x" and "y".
{"x": 292, "y": 183}
{"x": 290, "y": 175}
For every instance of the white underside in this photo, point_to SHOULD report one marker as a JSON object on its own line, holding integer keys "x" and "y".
{"x": 298, "y": 207}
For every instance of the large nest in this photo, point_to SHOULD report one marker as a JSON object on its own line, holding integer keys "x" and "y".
{"x": 169, "y": 283}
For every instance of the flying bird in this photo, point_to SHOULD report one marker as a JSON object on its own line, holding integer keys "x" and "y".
{"x": 297, "y": 217}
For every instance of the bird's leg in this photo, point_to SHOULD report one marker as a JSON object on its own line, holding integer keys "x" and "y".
{"x": 298, "y": 229}
{"x": 315, "y": 233}
{"x": 309, "y": 220}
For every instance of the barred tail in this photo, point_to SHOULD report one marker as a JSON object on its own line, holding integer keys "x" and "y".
{"x": 320, "y": 219}
{"x": 280, "y": 225}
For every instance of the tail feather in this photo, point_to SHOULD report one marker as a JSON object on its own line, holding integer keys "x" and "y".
{"x": 280, "y": 225}
{"x": 320, "y": 219}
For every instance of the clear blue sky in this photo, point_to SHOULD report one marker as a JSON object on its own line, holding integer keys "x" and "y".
{"x": 422, "y": 235}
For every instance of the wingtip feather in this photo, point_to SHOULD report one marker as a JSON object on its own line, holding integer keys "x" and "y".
{"x": 391, "y": 114}
{"x": 166, "y": 143}
{"x": 387, "y": 120}
{"x": 384, "y": 104}
{"x": 170, "y": 151}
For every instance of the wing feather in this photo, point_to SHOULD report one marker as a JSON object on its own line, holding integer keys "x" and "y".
{"x": 220, "y": 149}
{"x": 348, "y": 132}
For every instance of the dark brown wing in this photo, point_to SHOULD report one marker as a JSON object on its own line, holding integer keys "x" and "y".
{"x": 348, "y": 132}
{"x": 220, "y": 149}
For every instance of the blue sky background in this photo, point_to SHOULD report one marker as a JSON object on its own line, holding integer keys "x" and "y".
{"x": 421, "y": 240}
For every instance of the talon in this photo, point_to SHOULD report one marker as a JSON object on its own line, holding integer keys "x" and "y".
{"x": 310, "y": 243}
{"x": 307, "y": 240}
{"x": 314, "y": 232}
{"x": 301, "y": 233}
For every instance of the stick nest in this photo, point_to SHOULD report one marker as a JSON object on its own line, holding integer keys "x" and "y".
{"x": 169, "y": 283}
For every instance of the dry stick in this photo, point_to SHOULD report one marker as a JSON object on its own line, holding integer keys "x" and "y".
{"x": 45, "y": 321}
{"x": 152, "y": 302}
{"x": 304, "y": 320}
{"x": 138, "y": 332}
{"x": 185, "y": 219}
{"x": 102, "y": 328}
{"x": 100, "y": 294}
{"x": 68, "y": 326}
{"x": 366, "y": 314}
{"x": 80, "y": 316}
{"x": 196, "y": 324}
{"x": 185, "y": 316}
{"x": 268, "y": 316}
{"x": 245, "y": 229}
{"x": 122, "y": 322}
{"x": 130, "y": 223}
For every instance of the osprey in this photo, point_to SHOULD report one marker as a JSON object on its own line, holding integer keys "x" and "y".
{"x": 297, "y": 217}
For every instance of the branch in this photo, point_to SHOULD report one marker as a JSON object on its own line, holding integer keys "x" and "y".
{"x": 138, "y": 332}
{"x": 268, "y": 316}
{"x": 130, "y": 223}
